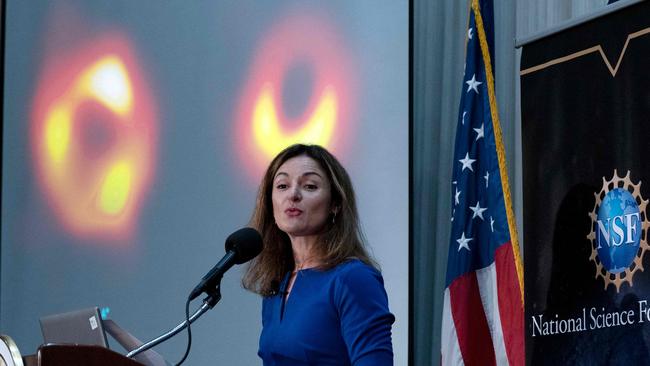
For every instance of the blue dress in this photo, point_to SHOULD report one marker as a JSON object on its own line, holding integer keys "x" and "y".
{"x": 334, "y": 317}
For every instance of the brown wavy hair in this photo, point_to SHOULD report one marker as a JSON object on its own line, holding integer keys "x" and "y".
{"x": 341, "y": 239}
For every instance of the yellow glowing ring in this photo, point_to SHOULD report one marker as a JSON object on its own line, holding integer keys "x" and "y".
{"x": 262, "y": 128}
{"x": 98, "y": 194}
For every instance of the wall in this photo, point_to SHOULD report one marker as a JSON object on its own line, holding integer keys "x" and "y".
{"x": 439, "y": 29}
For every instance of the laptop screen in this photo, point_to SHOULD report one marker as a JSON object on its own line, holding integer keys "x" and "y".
{"x": 82, "y": 326}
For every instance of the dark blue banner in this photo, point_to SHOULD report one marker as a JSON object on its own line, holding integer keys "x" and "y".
{"x": 585, "y": 100}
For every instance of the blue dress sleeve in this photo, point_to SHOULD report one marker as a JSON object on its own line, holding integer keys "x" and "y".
{"x": 365, "y": 320}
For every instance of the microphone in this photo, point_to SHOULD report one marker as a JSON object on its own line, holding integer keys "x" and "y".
{"x": 241, "y": 246}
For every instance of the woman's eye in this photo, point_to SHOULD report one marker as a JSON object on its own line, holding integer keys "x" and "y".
{"x": 281, "y": 186}
{"x": 311, "y": 187}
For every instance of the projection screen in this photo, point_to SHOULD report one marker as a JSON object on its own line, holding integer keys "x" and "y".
{"x": 135, "y": 134}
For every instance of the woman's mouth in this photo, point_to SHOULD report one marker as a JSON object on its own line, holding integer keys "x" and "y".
{"x": 293, "y": 211}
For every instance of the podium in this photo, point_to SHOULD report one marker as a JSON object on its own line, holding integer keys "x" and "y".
{"x": 77, "y": 354}
{"x": 69, "y": 355}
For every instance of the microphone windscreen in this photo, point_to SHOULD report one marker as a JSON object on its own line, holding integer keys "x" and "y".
{"x": 246, "y": 243}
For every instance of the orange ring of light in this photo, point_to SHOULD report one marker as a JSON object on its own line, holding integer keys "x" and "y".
{"x": 328, "y": 119}
{"x": 97, "y": 195}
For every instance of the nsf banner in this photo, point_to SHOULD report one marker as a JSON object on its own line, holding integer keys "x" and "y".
{"x": 585, "y": 96}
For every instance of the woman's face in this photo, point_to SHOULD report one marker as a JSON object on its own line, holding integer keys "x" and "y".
{"x": 301, "y": 197}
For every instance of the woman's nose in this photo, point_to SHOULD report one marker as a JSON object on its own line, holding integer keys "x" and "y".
{"x": 295, "y": 194}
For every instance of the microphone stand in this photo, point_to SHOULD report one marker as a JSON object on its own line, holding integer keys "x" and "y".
{"x": 214, "y": 295}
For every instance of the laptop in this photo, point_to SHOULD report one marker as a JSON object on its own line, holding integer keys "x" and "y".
{"x": 82, "y": 326}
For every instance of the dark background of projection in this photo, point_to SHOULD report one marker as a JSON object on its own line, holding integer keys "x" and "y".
{"x": 573, "y": 138}
{"x": 196, "y": 58}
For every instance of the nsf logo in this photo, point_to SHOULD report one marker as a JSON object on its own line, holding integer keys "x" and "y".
{"x": 619, "y": 227}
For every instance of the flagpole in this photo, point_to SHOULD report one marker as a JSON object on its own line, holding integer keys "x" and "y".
{"x": 501, "y": 155}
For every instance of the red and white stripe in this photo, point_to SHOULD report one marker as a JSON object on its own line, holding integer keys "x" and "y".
{"x": 482, "y": 320}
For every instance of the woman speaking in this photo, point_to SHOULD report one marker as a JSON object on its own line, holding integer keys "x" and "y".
{"x": 324, "y": 301}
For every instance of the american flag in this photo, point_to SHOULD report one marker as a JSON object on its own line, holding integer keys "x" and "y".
{"x": 482, "y": 321}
